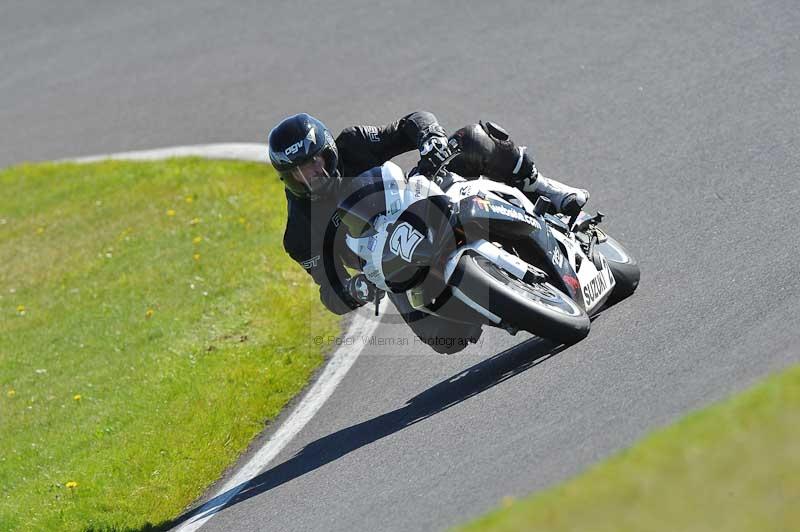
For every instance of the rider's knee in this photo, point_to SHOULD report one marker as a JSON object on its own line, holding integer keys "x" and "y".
{"x": 488, "y": 150}
{"x": 476, "y": 148}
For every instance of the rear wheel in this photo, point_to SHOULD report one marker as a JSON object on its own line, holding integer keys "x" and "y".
{"x": 624, "y": 268}
{"x": 539, "y": 308}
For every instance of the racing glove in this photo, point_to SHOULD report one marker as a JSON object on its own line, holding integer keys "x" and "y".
{"x": 433, "y": 149}
{"x": 363, "y": 291}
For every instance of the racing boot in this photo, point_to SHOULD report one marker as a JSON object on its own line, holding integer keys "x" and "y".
{"x": 564, "y": 198}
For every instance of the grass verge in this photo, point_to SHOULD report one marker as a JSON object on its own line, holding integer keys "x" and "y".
{"x": 733, "y": 466}
{"x": 150, "y": 322}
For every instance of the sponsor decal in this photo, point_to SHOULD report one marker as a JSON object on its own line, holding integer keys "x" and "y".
{"x": 310, "y": 263}
{"x": 404, "y": 241}
{"x": 310, "y": 139}
{"x": 336, "y": 220}
{"x": 371, "y": 243}
{"x": 558, "y": 258}
{"x": 482, "y": 203}
{"x": 466, "y": 190}
{"x": 595, "y": 288}
{"x": 372, "y": 274}
{"x": 294, "y": 148}
{"x": 418, "y": 188}
{"x": 513, "y": 213}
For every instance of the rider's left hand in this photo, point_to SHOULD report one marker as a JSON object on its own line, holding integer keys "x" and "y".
{"x": 433, "y": 150}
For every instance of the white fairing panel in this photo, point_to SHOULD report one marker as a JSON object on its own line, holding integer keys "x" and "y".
{"x": 596, "y": 285}
{"x": 461, "y": 189}
{"x": 507, "y": 261}
{"x": 400, "y": 192}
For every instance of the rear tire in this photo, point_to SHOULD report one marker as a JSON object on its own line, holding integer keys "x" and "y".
{"x": 539, "y": 308}
{"x": 624, "y": 268}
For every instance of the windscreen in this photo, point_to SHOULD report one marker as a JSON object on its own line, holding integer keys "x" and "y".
{"x": 362, "y": 201}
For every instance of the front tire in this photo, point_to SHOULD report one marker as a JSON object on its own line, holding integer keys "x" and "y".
{"x": 540, "y": 308}
{"x": 624, "y": 268}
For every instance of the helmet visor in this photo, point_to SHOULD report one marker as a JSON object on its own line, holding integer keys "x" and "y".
{"x": 308, "y": 179}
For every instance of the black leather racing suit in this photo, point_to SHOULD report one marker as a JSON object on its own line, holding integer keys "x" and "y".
{"x": 360, "y": 149}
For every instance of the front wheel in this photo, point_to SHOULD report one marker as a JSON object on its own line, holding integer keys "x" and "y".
{"x": 539, "y": 308}
{"x": 624, "y": 268}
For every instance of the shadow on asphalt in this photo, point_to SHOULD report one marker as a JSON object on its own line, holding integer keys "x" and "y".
{"x": 437, "y": 398}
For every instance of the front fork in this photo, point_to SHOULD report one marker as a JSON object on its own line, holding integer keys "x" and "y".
{"x": 593, "y": 236}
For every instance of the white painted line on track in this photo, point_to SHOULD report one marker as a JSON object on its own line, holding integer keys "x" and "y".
{"x": 246, "y": 151}
{"x": 362, "y": 326}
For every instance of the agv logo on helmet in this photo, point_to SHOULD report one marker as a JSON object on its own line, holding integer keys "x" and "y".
{"x": 310, "y": 139}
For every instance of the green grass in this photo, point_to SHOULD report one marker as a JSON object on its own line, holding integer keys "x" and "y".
{"x": 150, "y": 322}
{"x": 733, "y": 466}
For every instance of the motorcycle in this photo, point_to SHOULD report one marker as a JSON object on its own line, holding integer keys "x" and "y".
{"x": 480, "y": 251}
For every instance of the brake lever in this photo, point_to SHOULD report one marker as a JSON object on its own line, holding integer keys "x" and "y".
{"x": 586, "y": 224}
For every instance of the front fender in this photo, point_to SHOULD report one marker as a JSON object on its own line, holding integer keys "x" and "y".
{"x": 509, "y": 262}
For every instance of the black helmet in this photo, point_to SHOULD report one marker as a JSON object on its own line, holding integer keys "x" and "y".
{"x": 303, "y": 152}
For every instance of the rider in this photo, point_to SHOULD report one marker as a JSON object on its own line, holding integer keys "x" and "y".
{"x": 313, "y": 166}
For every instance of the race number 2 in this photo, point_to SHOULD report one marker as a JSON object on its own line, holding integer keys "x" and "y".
{"x": 404, "y": 241}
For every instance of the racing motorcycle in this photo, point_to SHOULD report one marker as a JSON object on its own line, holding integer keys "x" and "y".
{"x": 480, "y": 251}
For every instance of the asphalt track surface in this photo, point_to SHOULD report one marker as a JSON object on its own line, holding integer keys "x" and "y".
{"x": 680, "y": 117}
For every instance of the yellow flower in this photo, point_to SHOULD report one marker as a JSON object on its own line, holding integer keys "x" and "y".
{"x": 11, "y": 393}
{"x": 242, "y": 220}
{"x": 189, "y": 199}
{"x": 149, "y": 313}
{"x": 194, "y": 221}
{"x": 77, "y": 397}
{"x": 71, "y": 484}
{"x": 39, "y": 230}
{"x": 21, "y": 309}
{"x": 197, "y": 240}
{"x": 196, "y": 256}
{"x": 171, "y": 212}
